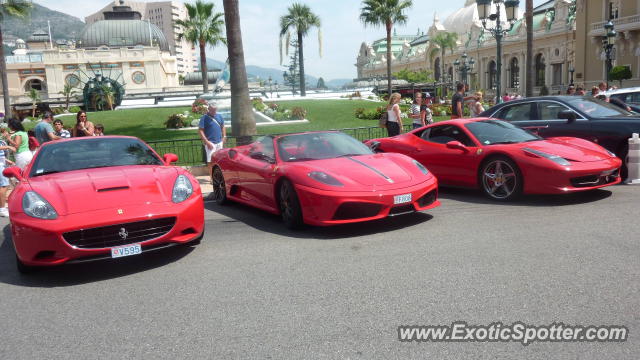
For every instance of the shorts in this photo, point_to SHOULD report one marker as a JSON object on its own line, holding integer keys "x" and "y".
{"x": 3, "y": 180}
{"x": 417, "y": 126}
{"x": 210, "y": 152}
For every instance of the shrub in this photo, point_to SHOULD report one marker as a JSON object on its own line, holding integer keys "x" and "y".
{"x": 199, "y": 106}
{"x": 279, "y": 116}
{"x": 74, "y": 109}
{"x": 273, "y": 106}
{"x": 258, "y": 104}
{"x": 619, "y": 73}
{"x": 176, "y": 121}
{"x": 298, "y": 113}
{"x": 359, "y": 113}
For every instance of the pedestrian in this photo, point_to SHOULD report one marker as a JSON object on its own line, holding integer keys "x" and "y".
{"x": 456, "y": 102}
{"x": 99, "y": 130}
{"x": 59, "y": 130}
{"x": 416, "y": 114}
{"x": 602, "y": 87}
{"x": 580, "y": 91}
{"x": 212, "y": 132}
{"x": 425, "y": 112}
{"x": 20, "y": 141}
{"x": 571, "y": 90}
{"x": 394, "y": 118}
{"x": 506, "y": 97}
{"x": 4, "y": 182}
{"x": 44, "y": 131}
{"x": 83, "y": 126}
{"x": 476, "y": 108}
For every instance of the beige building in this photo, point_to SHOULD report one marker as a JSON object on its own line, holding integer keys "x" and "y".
{"x": 590, "y": 56}
{"x": 567, "y": 36}
{"x": 161, "y": 14}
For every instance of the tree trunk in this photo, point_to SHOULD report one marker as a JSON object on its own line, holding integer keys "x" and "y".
{"x": 5, "y": 81}
{"x": 243, "y": 124}
{"x": 529, "y": 54}
{"x": 442, "y": 88}
{"x": 303, "y": 88}
{"x": 389, "y": 25}
{"x": 203, "y": 67}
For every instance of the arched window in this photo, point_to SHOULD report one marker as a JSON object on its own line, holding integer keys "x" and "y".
{"x": 492, "y": 71}
{"x": 436, "y": 70}
{"x": 35, "y": 84}
{"x": 539, "y": 66}
{"x": 514, "y": 78}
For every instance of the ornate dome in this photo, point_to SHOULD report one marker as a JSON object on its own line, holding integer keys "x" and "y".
{"x": 121, "y": 33}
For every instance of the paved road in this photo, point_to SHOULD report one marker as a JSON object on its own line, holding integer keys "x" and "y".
{"x": 255, "y": 290}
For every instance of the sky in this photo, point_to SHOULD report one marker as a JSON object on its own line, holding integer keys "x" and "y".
{"x": 342, "y": 31}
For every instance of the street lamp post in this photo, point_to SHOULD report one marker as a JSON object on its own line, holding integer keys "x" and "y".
{"x": 571, "y": 71}
{"x": 270, "y": 87}
{"x": 484, "y": 9}
{"x": 464, "y": 67}
{"x": 608, "y": 44}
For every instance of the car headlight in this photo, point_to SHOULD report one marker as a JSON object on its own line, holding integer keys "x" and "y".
{"x": 36, "y": 206}
{"x": 182, "y": 189}
{"x": 324, "y": 178}
{"x": 423, "y": 169}
{"x": 555, "y": 158}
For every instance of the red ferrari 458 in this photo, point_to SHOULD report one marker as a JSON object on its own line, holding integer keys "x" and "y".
{"x": 504, "y": 160}
{"x": 100, "y": 197}
{"x": 322, "y": 178}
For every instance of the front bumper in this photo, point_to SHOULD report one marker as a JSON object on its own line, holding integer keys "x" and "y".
{"x": 325, "y": 208}
{"x": 577, "y": 177}
{"x": 41, "y": 242}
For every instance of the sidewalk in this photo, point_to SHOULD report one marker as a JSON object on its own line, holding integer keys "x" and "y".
{"x": 205, "y": 185}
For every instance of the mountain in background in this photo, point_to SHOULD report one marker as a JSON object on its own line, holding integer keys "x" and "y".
{"x": 63, "y": 26}
{"x": 257, "y": 73}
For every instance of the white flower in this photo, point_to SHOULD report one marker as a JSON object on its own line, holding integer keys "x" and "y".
{"x": 195, "y": 122}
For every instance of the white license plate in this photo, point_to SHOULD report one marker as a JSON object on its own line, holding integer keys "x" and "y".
{"x": 127, "y": 250}
{"x": 401, "y": 199}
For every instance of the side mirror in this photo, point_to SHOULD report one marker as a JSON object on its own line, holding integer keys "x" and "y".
{"x": 170, "y": 158}
{"x": 569, "y": 115}
{"x": 13, "y": 172}
{"x": 454, "y": 144}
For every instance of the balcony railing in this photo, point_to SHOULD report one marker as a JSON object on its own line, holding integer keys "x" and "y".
{"x": 22, "y": 59}
{"x": 626, "y": 23}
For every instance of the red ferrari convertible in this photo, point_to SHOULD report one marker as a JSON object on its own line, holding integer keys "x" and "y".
{"x": 100, "y": 197}
{"x": 322, "y": 178}
{"x": 504, "y": 160}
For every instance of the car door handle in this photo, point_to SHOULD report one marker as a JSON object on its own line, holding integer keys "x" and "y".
{"x": 535, "y": 127}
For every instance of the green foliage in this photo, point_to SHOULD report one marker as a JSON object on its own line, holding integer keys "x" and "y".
{"x": 373, "y": 114}
{"x": 298, "y": 113}
{"x": 74, "y": 109}
{"x": 411, "y": 76}
{"x": 177, "y": 121}
{"x": 619, "y": 73}
{"x": 258, "y": 104}
{"x": 320, "y": 84}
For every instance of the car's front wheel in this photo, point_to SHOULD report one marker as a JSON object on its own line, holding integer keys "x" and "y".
{"x": 500, "y": 179}
{"x": 290, "y": 209}
{"x": 219, "y": 187}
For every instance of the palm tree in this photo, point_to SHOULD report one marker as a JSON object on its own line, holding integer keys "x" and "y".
{"x": 385, "y": 13}
{"x": 445, "y": 40}
{"x": 243, "y": 124}
{"x": 529, "y": 54}
{"x": 107, "y": 95}
{"x": 302, "y": 19}
{"x": 203, "y": 27}
{"x": 17, "y": 8}
{"x": 34, "y": 95}
{"x": 68, "y": 92}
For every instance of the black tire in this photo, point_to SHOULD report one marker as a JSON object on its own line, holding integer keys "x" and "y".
{"x": 219, "y": 187}
{"x": 500, "y": 179}
{"x": 25, "y": 269}
{"x": 290, "y": 206}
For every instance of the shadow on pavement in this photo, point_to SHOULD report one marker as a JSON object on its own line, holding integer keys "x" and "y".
{"x": 75, "y": 274}
{"x": 475, "y": 196}
{"x": 270, "y": 223}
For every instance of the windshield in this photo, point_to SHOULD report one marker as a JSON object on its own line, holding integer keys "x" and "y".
{"x": 490, "y": 132}
{"x": 596, "y": 108}
{"x": 92, "y": 153}
{"x": 320, "y": 145}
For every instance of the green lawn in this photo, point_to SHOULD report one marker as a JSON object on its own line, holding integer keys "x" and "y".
{"x": 148, "y": 124}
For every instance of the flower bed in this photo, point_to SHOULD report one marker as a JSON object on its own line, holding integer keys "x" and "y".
{"x": 278, "y": 112}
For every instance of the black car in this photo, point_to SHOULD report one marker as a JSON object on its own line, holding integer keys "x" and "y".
{"x": 577, "y": 116}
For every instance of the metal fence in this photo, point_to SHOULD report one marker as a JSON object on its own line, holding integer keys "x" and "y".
{"x": 191, "y": 152}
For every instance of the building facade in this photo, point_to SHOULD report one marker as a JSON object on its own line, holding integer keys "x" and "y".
{"x": 163, "y": 15}
{"x": 567, "y": 36}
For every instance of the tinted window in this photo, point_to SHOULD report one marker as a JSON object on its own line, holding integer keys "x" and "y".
{"x": 515, "y": 112}
{"x": 264, "y": 148}
{"x": 548, "y": 110}
{"x": 320, "y": 145}
{"x": 92, "y": 153}
{"x": 445, "y": 133}
{"x": 499, "y": 132}
{"x": 596, "y": 108}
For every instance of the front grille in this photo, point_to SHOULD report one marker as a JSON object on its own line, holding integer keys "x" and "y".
{"x": 428, "y": 198}
{"x": 114, "y": 235}
{"x": 356, "y": 210}
{"x": 403, "y": 209}
{"x": 594, "y": 180}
